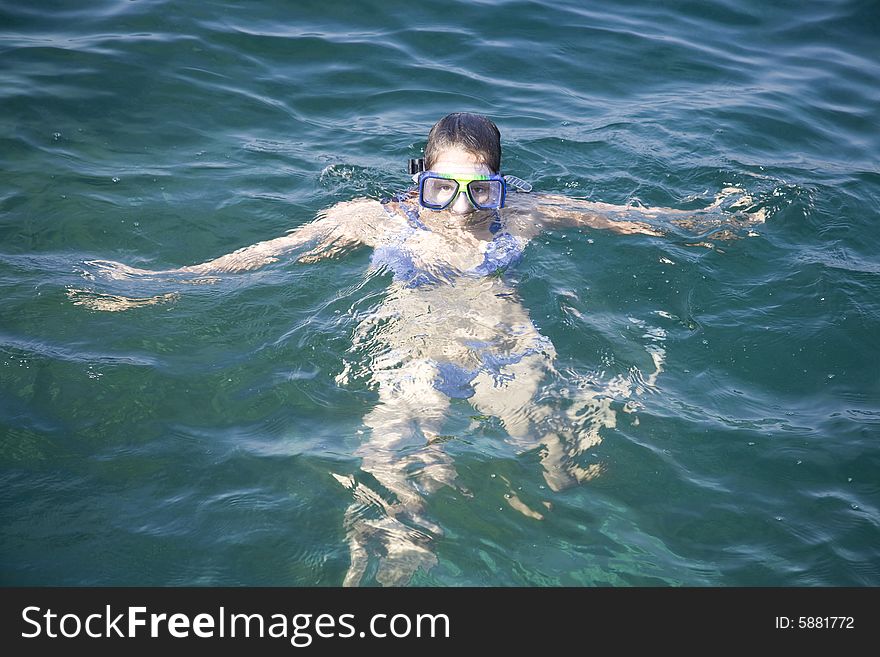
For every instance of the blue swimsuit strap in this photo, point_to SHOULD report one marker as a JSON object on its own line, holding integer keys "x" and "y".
{"x": 412, "y": 214}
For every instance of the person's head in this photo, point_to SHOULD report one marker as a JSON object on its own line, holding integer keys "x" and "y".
{"x": 461, "y": 144}
{"x": 471, "y": 133}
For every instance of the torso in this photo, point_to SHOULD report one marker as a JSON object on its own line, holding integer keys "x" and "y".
{"x": 421, "y": 249}
{"x": 449, "y": 308}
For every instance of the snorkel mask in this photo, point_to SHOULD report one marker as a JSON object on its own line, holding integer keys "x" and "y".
{"x": 438, "y": 191}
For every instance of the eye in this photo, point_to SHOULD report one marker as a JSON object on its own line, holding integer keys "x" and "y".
{"x": 480, "y": 190}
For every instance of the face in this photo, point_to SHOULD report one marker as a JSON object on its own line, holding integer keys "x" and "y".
{"x": 458, "y": 161}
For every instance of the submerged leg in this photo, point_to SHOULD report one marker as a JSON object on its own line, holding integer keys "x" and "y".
{"x": 571, "y": 424}
{"x": 375, "y": 529}
{"x": 403, "y": 456}
{"x": 510, "y": 395}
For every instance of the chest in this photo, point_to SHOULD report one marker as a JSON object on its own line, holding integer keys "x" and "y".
{"x": 415, "y": 250}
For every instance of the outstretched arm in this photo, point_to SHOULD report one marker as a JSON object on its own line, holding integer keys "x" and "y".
{"x": 337, "y": 229}
{"x": 553, "y": 210}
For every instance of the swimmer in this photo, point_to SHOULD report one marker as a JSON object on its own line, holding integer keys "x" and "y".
{"x": 449, "y": 328}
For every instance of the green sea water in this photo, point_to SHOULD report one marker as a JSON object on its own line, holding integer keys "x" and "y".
{"x": 192, "y": 441}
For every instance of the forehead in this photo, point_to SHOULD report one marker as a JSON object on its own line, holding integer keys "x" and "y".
{"x": 458, "y": 160}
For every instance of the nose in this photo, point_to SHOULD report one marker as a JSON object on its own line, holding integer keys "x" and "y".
{"x": 462, "y": 204}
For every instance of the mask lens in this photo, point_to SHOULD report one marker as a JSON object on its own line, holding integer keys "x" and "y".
{"x": 486, "y": 193}
{"x": 438, "y": 192}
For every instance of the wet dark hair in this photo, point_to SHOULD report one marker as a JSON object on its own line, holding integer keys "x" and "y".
{"x": 471, "y": 132}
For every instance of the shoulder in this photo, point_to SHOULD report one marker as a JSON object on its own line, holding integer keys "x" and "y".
{"x": 354, "y": 206}
{"x": 347, "y": 214}
{"x": 521, "y": 214}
